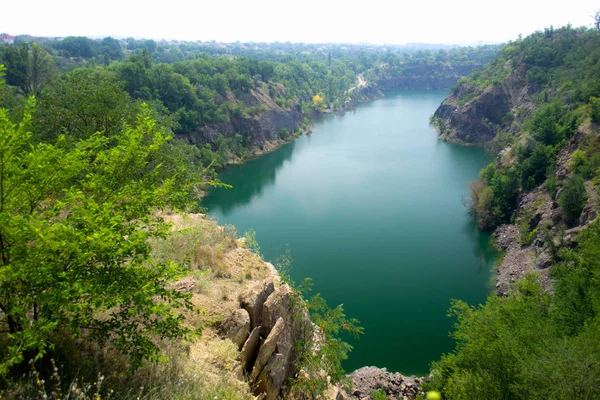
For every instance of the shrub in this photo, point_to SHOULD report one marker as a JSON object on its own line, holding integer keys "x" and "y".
{"x": 572, "y": 198}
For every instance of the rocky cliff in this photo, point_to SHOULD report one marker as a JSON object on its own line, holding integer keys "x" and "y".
{"x": 254, "y": 322}
{"x": 539, "y": 216}
{"x": 474, "y": 115}
{"x": 264, "y": 125}
{"x": 269, "y": 118}
{"x": 421, "y": 76}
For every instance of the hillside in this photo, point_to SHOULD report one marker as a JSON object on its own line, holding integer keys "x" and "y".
{"x": 536, "y": 106}
{"x": 232, "y": 101}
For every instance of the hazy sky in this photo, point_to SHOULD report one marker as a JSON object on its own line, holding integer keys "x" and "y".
{"x": 375, "y": 21}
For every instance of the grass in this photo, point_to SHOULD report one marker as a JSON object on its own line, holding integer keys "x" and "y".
{"x": 219, "y": 268}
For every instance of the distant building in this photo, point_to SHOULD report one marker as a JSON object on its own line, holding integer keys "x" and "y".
{"x": 6, "y": 38}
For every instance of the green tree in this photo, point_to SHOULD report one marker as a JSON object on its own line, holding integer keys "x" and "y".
{"x": 595, "y": 109}
{"x": 135, "y": 73}
{"x": 2, "y": 74}
{"x": 42, "y": 69}
{"x": 323, "y": 350}
{"x": 86, "y": 101}
{"x": 572, "y": 198}
{"x": 220, "y": 83}
{"x": 111, "y": 48}
{"x": 150, "y": 45}
{"x": 16, "y": 60}
{"x": 29, "y": 69}
{"x": 75, "y": 224}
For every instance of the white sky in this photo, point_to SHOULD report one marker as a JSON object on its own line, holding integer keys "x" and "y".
{"x": 374, "y": 21}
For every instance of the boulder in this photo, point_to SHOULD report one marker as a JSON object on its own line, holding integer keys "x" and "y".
{"x": 368, "y": 379}
{"x": 267, "y": 349}
{"x": 543, "y": 261}
{"x": 272, "y": 377}
{"x": 253, "y": 299}
{"x": 250, "y": 348}
{"x": 236, "y": 327}
{"x": 277, "y": 306}
{"x": 185, "y": 285}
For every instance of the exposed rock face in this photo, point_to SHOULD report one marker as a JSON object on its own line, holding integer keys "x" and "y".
{"x": 424, "y": 77}
{"x": 517, "y": 260}
{"x": 267, "y": 349}
{"x": 589, "y": 212}
{"x": 267, "y": 352}
{"x": 254, "y": 298}
{"x": 272, "y": 377}
{"x": 236, "y": 327}
{"x": 543, "y": 215}
{"x": 363, "y": 94}
{"x": 276, "y": 307}
{"x": 259, "y": 129}
{"x": 473, "y": 115}
{"x": 418, "y": 83}
{"x": 396, "y": 386}
{"x": 250, "y": 349}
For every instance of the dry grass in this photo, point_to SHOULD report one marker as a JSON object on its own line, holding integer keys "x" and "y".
{"x": 220, "y": 269}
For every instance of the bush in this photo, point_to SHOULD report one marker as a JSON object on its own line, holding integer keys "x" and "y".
{"x": 75, "y": 228}
{"x": 284, "y": 133}
{"x": 595, "y": 109}
{"x": 572, "y": 198}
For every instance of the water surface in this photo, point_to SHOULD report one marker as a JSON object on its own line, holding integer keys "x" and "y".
{"x": 371, "y": 206}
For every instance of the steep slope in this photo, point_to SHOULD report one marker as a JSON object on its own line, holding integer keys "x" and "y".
{"x": 474, "y": 115}
{"x": 554, "y": 64}
{"x": 537, "y": 106}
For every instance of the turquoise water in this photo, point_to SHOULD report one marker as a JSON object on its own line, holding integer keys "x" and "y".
{"x": 371, "y": 207}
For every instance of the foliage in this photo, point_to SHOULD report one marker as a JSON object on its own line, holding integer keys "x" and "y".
{"x": 196, "y": 84}
{"x": 321, "y": 358}
{"x": 2, "y": 74}
{"x": 572, "y": 198}
{"x": 75, "y": 220}
{"x": 321, "y": 351}
{"x": 532, "y": 343}
{"x": 585, "y": 161}
{"x": 318, "y": 102}
{"x": 494, "y": 196}
{"x": 82, "y": 103}
{"x": 92, "y": 374}
{"x": 562, "y": 71}
{"x": 595, "y": 109}
{"x": 379, "y": 394}
{"x": 28, "y": 68}
{"x": 535, "y": 343}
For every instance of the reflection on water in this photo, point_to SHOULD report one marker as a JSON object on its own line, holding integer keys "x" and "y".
{"x": 261, "y": 173}
{"x": 482, "y": 248}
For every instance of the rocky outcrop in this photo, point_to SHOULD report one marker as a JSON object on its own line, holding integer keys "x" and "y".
{"x": 250, "y": 349}
{"x": 362, "y": 94}
{"x": 236, "y": 327}
{"x": 418, "y": 83}
{"x": 258, "y": 129}
{"x": 267, "y": 349}
{"x": 422, "y": 76}
{"x": 516, "y": 262}
{"x": 537, "y": 212}
{"x": 474, "y": 115}
{"x": 253, "y": 299}
{"x": 395, "y": 385}
{"x": 267, "y": 354}
{"x": 540, "y": 215}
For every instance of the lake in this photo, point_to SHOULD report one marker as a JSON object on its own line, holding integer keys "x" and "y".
{"x": 371, "y": 206}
